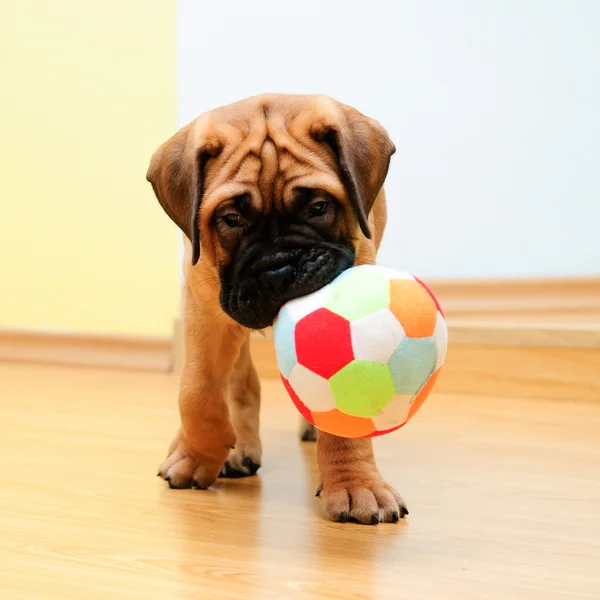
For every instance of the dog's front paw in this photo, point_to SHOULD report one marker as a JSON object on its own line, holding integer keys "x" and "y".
{"x": 188, "y": 467}
{"x": 364, "y": 498}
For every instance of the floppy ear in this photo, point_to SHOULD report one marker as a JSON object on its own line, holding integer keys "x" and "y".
{"x": 363, "y": 150}
{"x": 176, "y": 173}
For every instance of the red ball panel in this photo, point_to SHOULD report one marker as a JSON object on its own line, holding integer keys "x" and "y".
{"x": 323, "y": 342}
{"x": 385, "y": 431}
{"x": 437, "y": 304}
{"x": 302, "y": 409}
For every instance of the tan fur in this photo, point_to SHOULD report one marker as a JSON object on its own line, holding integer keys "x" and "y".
{"x": 263, "y": 146}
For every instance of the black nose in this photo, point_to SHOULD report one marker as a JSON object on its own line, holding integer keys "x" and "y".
{"x": 277, "y": 281}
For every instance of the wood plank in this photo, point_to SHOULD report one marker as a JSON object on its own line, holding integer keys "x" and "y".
{"x": 502, "y": 495}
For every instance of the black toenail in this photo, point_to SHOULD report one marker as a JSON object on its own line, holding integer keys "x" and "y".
{"x": 194, "y": 485}
{"x": 158, "y": 474}
{"x": 395, "y": 517}
{"x": 374, "y": 520}
{"x": 344, "y": 517}
{"x": 318, "y": 493}
{"x": 167, "y": 478}
{"x": 403, "y": 511}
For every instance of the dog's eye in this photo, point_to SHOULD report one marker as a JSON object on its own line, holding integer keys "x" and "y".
{"x": 316, "y": 209}
{"x": 232, "y": 220}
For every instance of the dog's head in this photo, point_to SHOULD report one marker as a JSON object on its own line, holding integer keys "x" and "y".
{"x": 274, "y": 193}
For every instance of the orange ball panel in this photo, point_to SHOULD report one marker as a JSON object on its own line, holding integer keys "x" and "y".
{"x": 339, "y": 423}
{"x": 413, "y": 307}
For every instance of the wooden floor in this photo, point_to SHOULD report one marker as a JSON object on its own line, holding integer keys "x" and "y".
{"x": 504, "y": 498}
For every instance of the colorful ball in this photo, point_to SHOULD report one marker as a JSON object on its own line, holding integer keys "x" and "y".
{"x": 360, "y": 356}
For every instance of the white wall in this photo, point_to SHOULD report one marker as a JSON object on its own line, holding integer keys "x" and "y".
{"x": 494, "y": 107}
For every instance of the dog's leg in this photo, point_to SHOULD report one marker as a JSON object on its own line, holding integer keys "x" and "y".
{"x": 244, "y": 405}
{"x": 206, "y": 435}
{"x": 351, "y": 485}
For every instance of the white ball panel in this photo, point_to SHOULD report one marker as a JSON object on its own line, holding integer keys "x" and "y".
{"x": 394, "y": 413}
{"x": 300, "y": 307}
{"x": 312, "y": 389}
{"x": 394, "y": 274}
{"x": 377, "y": 336}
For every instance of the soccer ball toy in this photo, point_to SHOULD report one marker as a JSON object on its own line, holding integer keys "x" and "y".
{"x": 360, "y": 356}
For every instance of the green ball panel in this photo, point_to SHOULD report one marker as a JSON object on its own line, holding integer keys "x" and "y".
{"x": 362, "y": 388}
{"x": 358, "y": 293}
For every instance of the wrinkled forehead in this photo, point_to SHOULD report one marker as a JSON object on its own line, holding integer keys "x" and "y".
{"x": 267, "y": 157}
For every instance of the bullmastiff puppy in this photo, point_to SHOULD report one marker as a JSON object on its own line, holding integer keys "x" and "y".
{"x": 276, "y": 196}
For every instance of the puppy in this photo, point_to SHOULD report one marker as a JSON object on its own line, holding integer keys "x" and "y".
{"x": 276, "y": 196}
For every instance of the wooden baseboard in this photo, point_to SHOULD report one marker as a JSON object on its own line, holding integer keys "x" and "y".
{"x": 502, "y": 315}
{"x": 524, "y": 334}
{"x": 527, "y": 338}
{"x": 510, "y": 298}
{"x": 557, "y": 373}
{"x": 135, "y": 353}
{"x": 519, "y": 334}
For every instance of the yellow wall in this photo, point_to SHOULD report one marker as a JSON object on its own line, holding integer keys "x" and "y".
{"x": 87, "y": 92}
